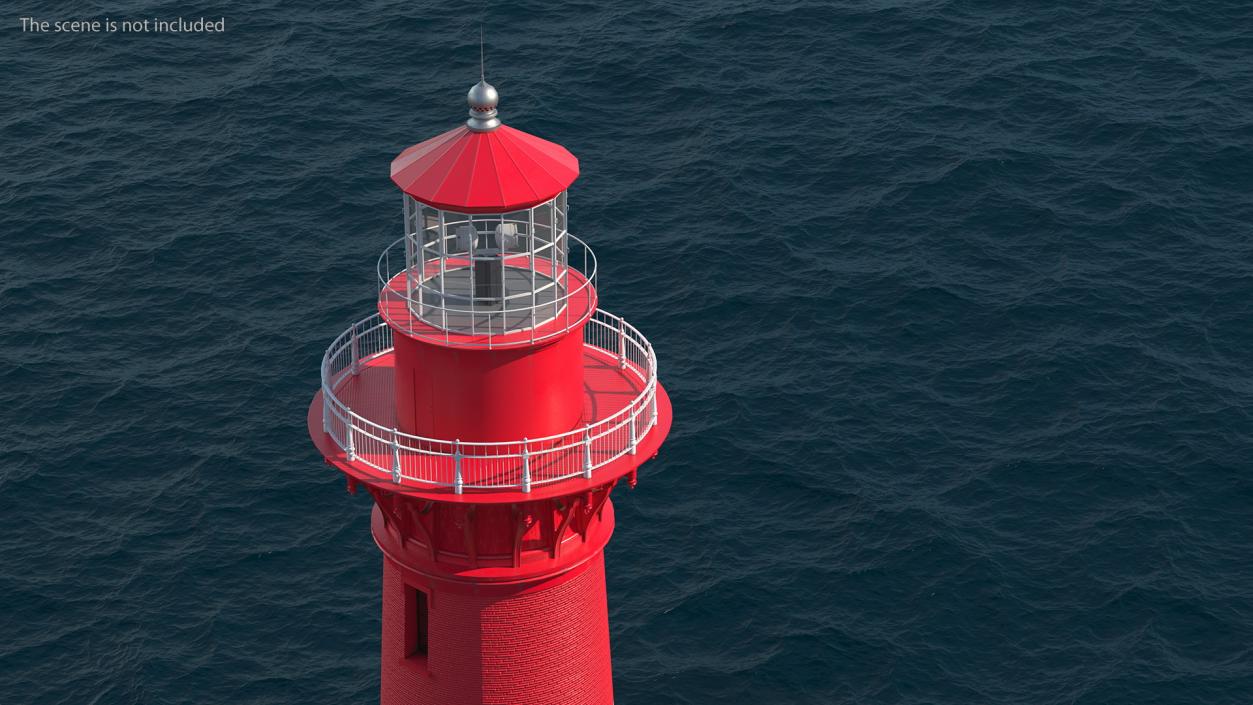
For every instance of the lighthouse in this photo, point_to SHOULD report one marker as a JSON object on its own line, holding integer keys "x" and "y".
{"x": 490, "y": 407}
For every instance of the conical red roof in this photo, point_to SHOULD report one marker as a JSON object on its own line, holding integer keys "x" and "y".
{"x": 496, "y": 171}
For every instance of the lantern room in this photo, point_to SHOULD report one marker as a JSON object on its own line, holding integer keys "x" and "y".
{"x": 486, "y": 250}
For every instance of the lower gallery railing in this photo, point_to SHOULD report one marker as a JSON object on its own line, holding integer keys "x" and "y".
{"x": 500, "y": 465}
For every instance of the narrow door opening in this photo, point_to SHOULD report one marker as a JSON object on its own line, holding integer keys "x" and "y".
{"x": 416, "y": 619}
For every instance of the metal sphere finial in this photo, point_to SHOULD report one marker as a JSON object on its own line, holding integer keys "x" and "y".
{"x": 483, "y": 99}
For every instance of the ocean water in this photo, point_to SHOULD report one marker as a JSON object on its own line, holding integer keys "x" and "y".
{"x": 952, "y": 298}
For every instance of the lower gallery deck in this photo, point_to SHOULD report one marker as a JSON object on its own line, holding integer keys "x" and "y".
{"x": 619, "y": 411}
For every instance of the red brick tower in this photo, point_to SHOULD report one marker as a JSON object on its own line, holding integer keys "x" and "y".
{"x": 490, "y": 408}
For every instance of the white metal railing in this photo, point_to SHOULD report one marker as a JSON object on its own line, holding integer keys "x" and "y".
{"x": 434, "y": 314}
{"x": 489, "y": 465}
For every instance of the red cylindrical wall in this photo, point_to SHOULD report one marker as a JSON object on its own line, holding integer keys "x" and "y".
{"x": 545, "y": 642}
{"x": 477, "y": 394}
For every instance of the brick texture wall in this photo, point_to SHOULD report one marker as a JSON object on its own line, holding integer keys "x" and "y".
{"x": 545, "y": 644}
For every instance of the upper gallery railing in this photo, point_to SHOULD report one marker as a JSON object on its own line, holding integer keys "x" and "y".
{"x": 539, "y": 298}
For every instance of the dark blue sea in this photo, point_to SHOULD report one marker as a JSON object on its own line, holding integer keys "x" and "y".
{"x": 954, "y": 301}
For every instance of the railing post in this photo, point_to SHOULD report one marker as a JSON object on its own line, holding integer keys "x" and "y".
{"x": 526, "y": 468}
{"x": 652, "y": 421}
{"x": 351, "y": 449}
{"x": 631, "y": 424}
{"x": 621, "y": 344}
{"x": 409, "y": 291}
{"x": 587, "y": 451}
{"x": 326, "y": 412}
{"x": 356, "y": 351}
{"x": 395, "y": 457}
{"x": 457, "y": 483}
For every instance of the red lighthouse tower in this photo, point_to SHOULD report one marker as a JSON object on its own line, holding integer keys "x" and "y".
{"x": 490, "y": 407}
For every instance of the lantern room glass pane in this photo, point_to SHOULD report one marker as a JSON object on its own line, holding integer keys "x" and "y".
{"x": 487, "y": 273}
